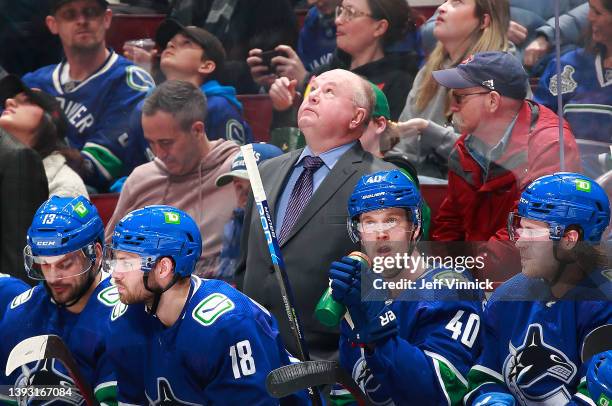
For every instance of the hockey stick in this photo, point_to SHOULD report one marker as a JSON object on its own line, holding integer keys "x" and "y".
{"x": 292, "y": 378}
{"x": 49, "y": 346}
{"x": 597, "y": 341}
{"x": 277, "y": 260}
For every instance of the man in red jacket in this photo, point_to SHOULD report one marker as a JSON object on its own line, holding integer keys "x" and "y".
{"x": 506, "y": 142}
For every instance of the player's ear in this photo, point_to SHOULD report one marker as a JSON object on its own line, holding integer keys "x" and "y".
{"x": 51, "y": 24}
{"x": 570, "y": 239}
{"x": 165, "y": 268}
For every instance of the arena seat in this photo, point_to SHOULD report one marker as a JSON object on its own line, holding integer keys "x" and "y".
{"x": 105, "y": 203}
{"x": 126, "y": 27}
{"x": 257, "y": 109}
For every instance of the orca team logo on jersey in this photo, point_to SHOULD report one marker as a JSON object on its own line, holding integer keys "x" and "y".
{"x": 22, "y": 298}
{"x": 234, "y": 131}
{"x": 165, "y": 395}
{"x": 365, "y": 380}
{"x": 139, "y": 79}
{"x": 211, "y": 308}
{"x": 47, "y": 373}
{"x": 536, "y": 372}
{"x": 568, "y": 83}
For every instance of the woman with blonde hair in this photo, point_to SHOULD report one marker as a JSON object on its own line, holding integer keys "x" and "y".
{"x": 463, "y": 27}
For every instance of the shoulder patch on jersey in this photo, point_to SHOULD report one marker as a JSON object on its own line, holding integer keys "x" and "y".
{"x": 118, "y": 310}
{"x": 234, "y": 131}
{"x": 450, "y": 275}
{"x": 211, "y": 308}
{"x": 22, "y": 298}
{"x": 568, "y": 84}
{"x": 109, "y": 296}
{"x": 138, "y": 78}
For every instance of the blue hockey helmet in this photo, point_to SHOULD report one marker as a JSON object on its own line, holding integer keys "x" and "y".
{"x": 159, "y": 231}
{"x": 561, "y": 200}
{"x": 62, "y": 225}
{"x": 383, "y": 190}
{"x": 599, "y": 378}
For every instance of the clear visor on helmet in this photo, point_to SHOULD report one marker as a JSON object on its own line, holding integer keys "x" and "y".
{"x": 362, "y": 227}
{"x": 124, "y": 261}
{"x": 63, "y": 266}
{"x": 525, "y": 228}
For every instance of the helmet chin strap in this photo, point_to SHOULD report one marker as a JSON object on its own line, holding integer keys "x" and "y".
{"x": 157, "y": 292}
{"x": 562, "y": 264}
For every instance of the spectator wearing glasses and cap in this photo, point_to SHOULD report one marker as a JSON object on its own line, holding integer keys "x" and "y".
{"x": 96, "y": 88}
{"x": 506, "y": 142}
{"x": 36, "y": 119}
{"x": 239, "y": 179}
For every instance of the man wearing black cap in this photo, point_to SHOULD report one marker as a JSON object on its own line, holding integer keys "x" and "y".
{"x": 97, "y": 89}
{"x": 506, "y": 142}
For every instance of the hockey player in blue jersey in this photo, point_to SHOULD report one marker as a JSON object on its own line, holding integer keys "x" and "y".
{"x": 416, "y": 348}
{"x": 9, "y": 288}
{"x": 96, "y": 88}
{"x": 64, "y": 252}
{"x": 535, "y": 324}
{"x": 176, "y": 338}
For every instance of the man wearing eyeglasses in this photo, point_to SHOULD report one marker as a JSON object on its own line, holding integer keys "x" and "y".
{"x": 97, "y": 88}
{"x": 507, "y": 141}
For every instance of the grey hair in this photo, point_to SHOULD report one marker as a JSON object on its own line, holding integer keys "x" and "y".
{"x": 364, "y": 97}
{"x": 183, "y": 100}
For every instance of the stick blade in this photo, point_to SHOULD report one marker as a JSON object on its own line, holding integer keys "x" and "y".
{"x": 29, "y": 350}
{"x": 597, "y": 341}
{"x": 292, "y": 378}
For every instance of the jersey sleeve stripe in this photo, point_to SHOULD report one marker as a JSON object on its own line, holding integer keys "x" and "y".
{"x": 585, "y": 399}
{"x": 449, "y": 365}
{"x": 105, "y": 161}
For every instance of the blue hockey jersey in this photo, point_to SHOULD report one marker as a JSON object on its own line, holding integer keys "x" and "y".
{"x": 531, "y": 349}
{"x": 219, "y": 351}
{"x": 428, "y": 362}
{"x": 98, "y": 111}
{"x": 586, "y": 89}
{"x": 33, "y": 313}
{"x": 9, "y": 288}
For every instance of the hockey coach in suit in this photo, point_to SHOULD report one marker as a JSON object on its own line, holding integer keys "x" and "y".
{"x": 307, "y": 191}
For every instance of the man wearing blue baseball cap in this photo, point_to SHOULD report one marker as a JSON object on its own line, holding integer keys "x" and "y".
{"x": 507, "y": 142}
{"x": 239, "y": 179}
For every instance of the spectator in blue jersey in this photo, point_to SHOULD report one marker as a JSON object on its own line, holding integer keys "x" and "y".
{"x": 179, "y": 339}
{"x": 409, "y": 344}
{"x": 586, "y": 80}
{"x": 73, "y": 300}
{"x": 239, "y": 178}
{"x": 536, "y": 323}
{"x": 97, "y": 89}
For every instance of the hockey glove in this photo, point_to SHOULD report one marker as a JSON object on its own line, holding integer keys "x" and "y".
{"x": 494, "y": 399}
{"x": 374, "y": 322}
